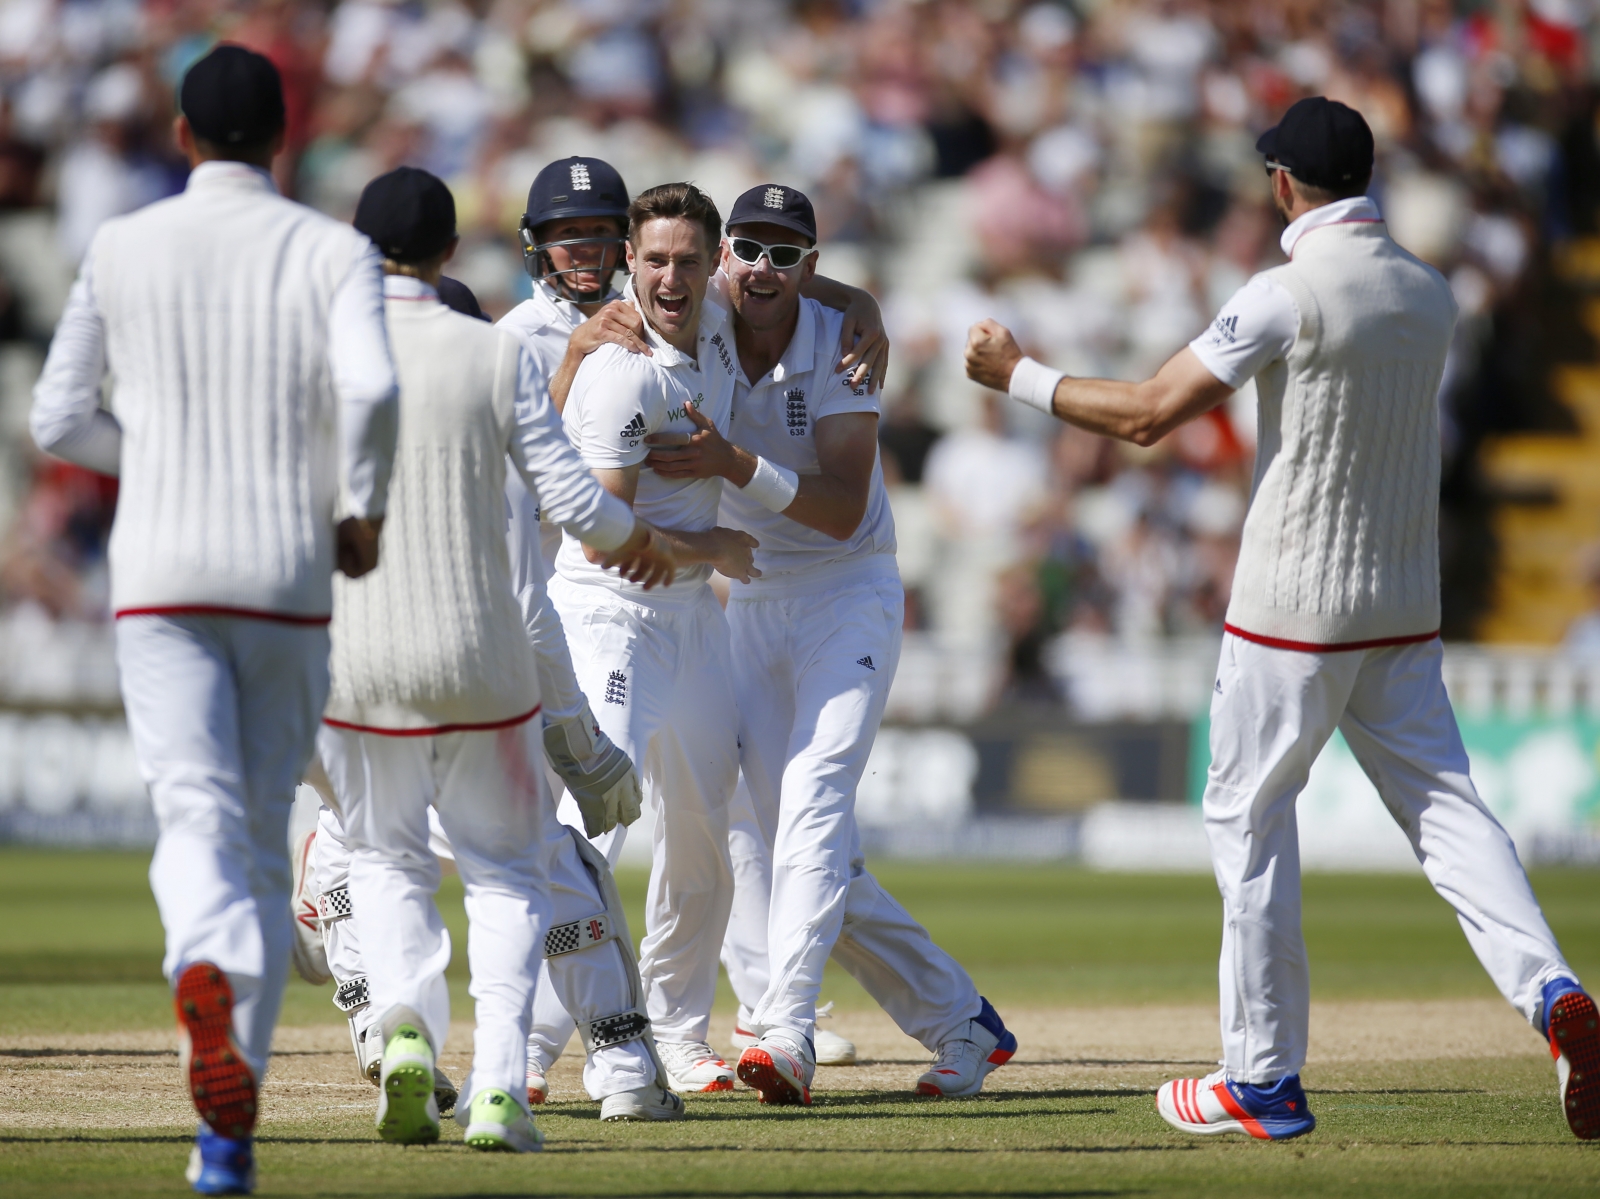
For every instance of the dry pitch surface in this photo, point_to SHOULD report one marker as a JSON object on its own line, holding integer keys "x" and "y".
{"x": 1437, "y": 1095}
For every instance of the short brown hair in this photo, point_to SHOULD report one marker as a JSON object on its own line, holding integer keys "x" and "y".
{"x": 684, "y": 201}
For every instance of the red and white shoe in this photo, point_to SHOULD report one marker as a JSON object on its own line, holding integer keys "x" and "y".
{"x": 693, "y": 1066}
{"x": 1212, "y": 1105}
{"x": 307, "y": 951}
{"x": 779, "y": 1069}
{"x": 1572, "y": 1023}
{"x": 538, "y": 1088}
{"x": 221, "y": 1082}
{"x": 966, "y": 1059}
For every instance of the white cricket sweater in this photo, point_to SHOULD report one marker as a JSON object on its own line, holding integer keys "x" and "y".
{"x": 216, "y": 311}
{"x": 432, "y": 641}
{"x": 1340, "y": 547}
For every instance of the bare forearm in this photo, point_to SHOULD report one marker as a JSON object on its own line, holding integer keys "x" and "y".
{"x": 561, "y": 382}
{"x": 1111, "y": 408}
{"x": 829, "y": 505}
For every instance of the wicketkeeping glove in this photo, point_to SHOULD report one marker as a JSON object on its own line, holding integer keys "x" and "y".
{"x": 597, "y": 772}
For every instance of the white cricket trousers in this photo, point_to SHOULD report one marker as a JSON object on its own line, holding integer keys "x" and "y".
{"x": 1271, "y": 713}
{"x": 657, "y": 679}
{"x": 594, "y": 983}
{"x": 488, "y": 789}
{"x": 223, "y": 712}
{"x": 811, "y": 676}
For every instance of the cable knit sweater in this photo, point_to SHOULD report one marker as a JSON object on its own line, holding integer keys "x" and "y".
{"x": 1341, "y": 544}
{"x": 433, "y": 639}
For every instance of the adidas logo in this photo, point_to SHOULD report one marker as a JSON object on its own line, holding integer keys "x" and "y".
{"x": 867, "y": 662}
{"x": 1219, "y": 687}
{"x": 635, "y": 427}
{"x": 1226, "y": 328}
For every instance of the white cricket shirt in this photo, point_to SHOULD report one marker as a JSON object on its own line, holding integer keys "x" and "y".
{"x": 1259, "y": 323}
{"x": 776, "y": 417}
{"x": 617, "y": 400}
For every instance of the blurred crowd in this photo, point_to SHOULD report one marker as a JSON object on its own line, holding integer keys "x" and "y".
{"x": 1083, "y": 171}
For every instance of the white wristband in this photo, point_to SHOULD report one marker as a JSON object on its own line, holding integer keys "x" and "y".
{"x": 772, "y": 486}
{"x": 1034, "y": 384}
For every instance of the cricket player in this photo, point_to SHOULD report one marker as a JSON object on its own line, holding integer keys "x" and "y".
{"x": 573, "y": 234}
{"x": 1334, "y": 619}
{"x": 658, "y": 661}
{"x": 253, "y": 386}
{"x": 816, "y": 639}
{"x": 435, "y": 687}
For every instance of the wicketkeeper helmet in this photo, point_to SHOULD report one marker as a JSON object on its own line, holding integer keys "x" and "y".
{"x": 567, "y": 189}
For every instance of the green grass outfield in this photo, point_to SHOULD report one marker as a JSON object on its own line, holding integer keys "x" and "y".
{"x": 80, "y": 947}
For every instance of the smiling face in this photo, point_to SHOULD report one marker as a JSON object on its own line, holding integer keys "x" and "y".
{"x": 764, "y": 297}
{"x": 671, "y": 264}
{"x": 601, "y": 256}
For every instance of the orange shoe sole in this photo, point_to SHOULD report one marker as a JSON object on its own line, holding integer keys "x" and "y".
{"x": 757, "y": 1071}
{"x": 1575, "y": 1034}
{"x": 220, "y": 1083}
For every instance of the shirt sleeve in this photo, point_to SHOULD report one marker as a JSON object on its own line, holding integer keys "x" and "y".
{"x": 567, "y": 494}
{"x": 365, "y": 382}
{"x": 1257, "y": 326}
{"x": 609, "y": 409}
{"x": 835, "y": 392}
{"x": 559, "y": 692}
{"x": 67, "y": 419}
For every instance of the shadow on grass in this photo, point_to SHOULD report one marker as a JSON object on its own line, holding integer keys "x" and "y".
{"x": 1209, "y": 1063}
{"x": 47, "y": 1052}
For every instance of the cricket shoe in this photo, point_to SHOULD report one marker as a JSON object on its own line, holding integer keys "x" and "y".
{"x": 1573, "y": 1026}
{"x": 969, "y": 1057}
{"x": 651, "y": 1103}
{"x": 309, "y": 954}
{"x": 499, "y": 1124}
{"x": 744, "y": 1030}
{"x": 694, "y": 1066}
{"x": 779, "y": 1069}
{"x": 832, "y": 1049}
{"x": 408, "y": 1113}
{"x": 538, "y": 1087}
{"x": 221, "y": 1165}
{"x": 445, "y": 1092}
{"x": 1213, "y": 1104}
{"x": 220, "y": 1080}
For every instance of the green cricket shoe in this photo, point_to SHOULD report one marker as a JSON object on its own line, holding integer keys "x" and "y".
{"x": 500, "y": 1124}
{"x": 408, "y": 1113}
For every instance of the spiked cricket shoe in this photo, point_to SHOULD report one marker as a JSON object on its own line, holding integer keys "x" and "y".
{"x": 694, "y": 1066}
{"x": 220, "y": 1081}
{"x": 779, "y": 1069}
{"x": 498, "y": 1124}
{"x": 1212, "y": 1105}
{"x": 408, "y": 1112}
{"x": 1573, "y": 1025}
{"x": 307, "y": 951}
{"x": 538, "y": 1087}
{"x": 221, "y": 1165}
{"x": 445, "y": 1092}
{"x": 979, "y": 1047}
{"x": 651, "y": 1103}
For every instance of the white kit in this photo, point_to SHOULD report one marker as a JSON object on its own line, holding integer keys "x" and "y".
{"x": 816, "y": 641}
{"x": 253, "y": 385}
{"x": 435, "y": 684}
{"x": 655, "y": 664}
{"x": 1334, "y": 619}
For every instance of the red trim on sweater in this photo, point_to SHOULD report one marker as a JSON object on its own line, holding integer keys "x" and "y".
{"x": 221, "y": 610}
{"x": 1331, "y": 647}
{"x": 437, "y": 730}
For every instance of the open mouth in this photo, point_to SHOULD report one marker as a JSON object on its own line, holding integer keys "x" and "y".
{"x": 673, "y": 305}
{"x": 758, "y": 292}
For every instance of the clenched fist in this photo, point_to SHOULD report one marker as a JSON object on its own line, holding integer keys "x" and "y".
{"x": 992, "y": 354}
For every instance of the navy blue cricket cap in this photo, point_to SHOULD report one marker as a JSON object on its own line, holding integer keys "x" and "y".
{"x": 575, "y": 187}
{"x": 232, "y": 97}
{"x": 1321, "y": 142}
{"x": 774, "y": 204}
{"x": 409, "y": 214}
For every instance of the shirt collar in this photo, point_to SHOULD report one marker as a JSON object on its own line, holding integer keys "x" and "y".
{"x": 230, "y": 174}
{"x": 799, "y": 355}
{"x": 408, "y": 287}
{"x": 1355, "y": 210}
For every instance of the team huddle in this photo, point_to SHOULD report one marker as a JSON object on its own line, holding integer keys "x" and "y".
{"x": 445, "y": 572}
